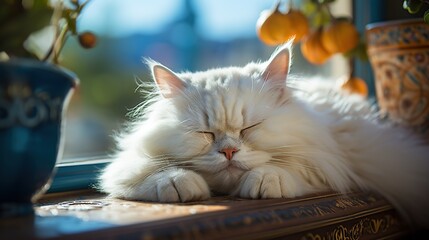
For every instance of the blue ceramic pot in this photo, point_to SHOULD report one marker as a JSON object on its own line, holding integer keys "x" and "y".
{"x": 33, "y": 97}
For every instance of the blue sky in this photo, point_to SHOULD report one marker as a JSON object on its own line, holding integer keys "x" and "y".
{"x": 217, "y": 19}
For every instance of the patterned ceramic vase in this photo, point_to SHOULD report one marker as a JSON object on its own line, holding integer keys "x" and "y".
{"x": 399, "y": 55}
{"x": 33, "y": 96}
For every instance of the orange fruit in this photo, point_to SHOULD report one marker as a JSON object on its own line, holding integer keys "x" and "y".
{"x": 312, "y": 48}
{"x": 340, "y": 36}
{"x": 299, "y": 27}
{"x": 355, "y": 85}
{"x": 273, "y": 27}
{"x": 87, "y": 39}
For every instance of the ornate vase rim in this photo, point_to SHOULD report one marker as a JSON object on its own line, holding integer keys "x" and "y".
{"x": 43, "y": 65}
{"x": 391, "y": 23}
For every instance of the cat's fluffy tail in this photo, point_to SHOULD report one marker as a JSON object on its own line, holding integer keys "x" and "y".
{"x": 395, "y": 163}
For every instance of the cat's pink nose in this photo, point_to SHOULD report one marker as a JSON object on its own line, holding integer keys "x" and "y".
{"x": 229, "y": 152}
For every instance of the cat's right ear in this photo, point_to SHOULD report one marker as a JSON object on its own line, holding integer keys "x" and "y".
{"x": 277, "y": 67}
{"x": 167, "y": 81}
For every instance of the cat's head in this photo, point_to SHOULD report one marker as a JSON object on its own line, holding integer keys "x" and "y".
{"x": 220, "y": 122}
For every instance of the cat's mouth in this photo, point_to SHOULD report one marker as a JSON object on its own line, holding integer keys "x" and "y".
{"x": 234, "y": 167}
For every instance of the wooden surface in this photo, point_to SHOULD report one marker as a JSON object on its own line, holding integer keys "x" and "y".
{"x": 323, "y": 216}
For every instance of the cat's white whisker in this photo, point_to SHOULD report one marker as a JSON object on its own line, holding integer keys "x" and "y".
{"x": 287, "y": 163}
{"x": 262, "y": 87}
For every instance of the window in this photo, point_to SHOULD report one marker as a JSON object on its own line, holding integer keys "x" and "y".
{"x": 182, "y": 34}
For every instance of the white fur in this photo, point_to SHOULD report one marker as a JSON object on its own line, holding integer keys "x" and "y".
{"x": 304, "y": 137}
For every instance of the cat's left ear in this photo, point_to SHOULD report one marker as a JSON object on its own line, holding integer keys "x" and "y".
{"x": 167, "y": 81}
{"x": 277, "y": 67}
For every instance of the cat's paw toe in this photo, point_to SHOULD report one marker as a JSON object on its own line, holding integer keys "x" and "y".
{"x": 191, "y": 187}
{"x": 263, "y": 183}
{"x": 270, "y": 187}
{"x": 178, "y": 185}
{"x": 250, "y": 186}
{"x": 166, "y": 192}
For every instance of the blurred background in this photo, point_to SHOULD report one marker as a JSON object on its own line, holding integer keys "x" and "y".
{"x": 181, "y": 34}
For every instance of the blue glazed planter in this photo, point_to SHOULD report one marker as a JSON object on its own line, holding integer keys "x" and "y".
{"x": 33, "y": 97}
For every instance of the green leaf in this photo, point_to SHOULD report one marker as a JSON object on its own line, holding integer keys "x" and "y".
{"x": 40, "y": 42}
{"x": 75, "y": 3}
{"x": 326, "y": 1}
{"x": 320, "y": 18}
{"x": 309, "y": 8}
{"x": 426, "y": 16}
{"x": 358, "y": 52}
{"x": 71, "y": 17}
{"x": 343, "y": 18}
{"x": 412, "y": 6}
{"x": 82, "y": 6}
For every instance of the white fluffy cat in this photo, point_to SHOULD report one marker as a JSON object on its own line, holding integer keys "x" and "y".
{"x": 253, "y": 132}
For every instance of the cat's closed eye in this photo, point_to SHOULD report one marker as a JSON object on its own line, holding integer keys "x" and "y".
{"x": 244, "y": 130}
{"x": 211, "y": 135}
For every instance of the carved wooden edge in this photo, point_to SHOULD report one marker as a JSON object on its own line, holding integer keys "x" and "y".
{"x": 352, "y": 216}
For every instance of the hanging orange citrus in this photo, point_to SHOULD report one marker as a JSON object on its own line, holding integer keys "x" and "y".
{"x": 312, "y": 48}
{"x": 268, "y": 27}
{"x": 299, "y": 25}
{"x": 355, "y": 85}
{"x": 274, "y": 27}
{"x": 340, "y": 36}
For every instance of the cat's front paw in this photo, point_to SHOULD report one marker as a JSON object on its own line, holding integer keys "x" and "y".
{"x": 266, "y": 182}
{"x": 174, "y": 185}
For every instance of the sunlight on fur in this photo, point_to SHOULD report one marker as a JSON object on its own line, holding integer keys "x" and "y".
{"x": 256, "y": 132}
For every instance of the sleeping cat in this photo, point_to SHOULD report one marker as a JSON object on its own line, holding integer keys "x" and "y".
{"x": 254, "y": 132}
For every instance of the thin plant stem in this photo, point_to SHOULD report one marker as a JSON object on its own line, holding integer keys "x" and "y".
{"x": 328, "y": 10}
{"x": 59, "y": 44}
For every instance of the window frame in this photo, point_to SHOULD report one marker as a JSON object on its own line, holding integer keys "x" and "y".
{"x": 77, "y": 175}
{"x": 365, "y": 12}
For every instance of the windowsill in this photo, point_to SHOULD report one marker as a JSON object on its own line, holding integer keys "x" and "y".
{"x": 321, "y": 216}
{"x": 78, "y": 174}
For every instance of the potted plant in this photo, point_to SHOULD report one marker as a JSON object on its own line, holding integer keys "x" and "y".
{"x": 34, "y": 94}
{"x": 398, "y": 51}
